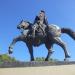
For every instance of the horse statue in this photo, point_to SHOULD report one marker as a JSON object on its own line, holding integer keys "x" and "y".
{"x": 49, "y": 39}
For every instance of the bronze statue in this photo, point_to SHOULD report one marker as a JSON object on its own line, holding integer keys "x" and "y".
{"x": 40, "y": 22}
{"x": 53, "y": 33}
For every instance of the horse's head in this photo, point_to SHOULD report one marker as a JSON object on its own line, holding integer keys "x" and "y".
{"x": 23, "y": 24}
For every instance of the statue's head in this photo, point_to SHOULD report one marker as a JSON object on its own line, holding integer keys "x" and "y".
{"x": 23, "y": 24}
{"x": 41, "y": 14}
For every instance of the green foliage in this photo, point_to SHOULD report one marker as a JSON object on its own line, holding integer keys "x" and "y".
{"x": 6, "y": 58}
{"x": 43, "y": 59}
{"x": 53, "y": 60}
{"x": 39, "y": 59}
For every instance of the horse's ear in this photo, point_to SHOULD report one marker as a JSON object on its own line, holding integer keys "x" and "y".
{"x": 21, "y": 21}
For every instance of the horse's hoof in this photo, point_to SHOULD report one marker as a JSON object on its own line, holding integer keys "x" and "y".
{"x": 32, "y": 59}
{"x": 67, "y": 56}
{"x": 46, "y": 59}
{"x": 66, "y": 59}
{"x": 10, "y": 51}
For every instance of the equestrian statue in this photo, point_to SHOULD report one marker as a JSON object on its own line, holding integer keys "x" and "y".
{"x": 40, "y": 32}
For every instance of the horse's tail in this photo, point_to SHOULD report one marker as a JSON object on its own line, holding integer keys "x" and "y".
{"x": 68, "y": 31}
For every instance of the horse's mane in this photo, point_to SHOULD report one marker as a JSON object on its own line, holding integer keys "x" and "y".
{"x": 30, "y": 24}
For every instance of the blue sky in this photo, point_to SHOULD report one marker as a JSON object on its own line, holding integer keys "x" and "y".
{"x": 60, "y": 12}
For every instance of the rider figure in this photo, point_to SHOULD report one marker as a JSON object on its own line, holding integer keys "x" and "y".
{"x": 40, "y": 21}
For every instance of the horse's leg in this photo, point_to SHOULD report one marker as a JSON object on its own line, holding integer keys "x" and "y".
{"x": 19, "y": 38}
{"x": 58, "y": 41}
{"x": 30, "y": 48}
{"x": 49, "y": 47}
